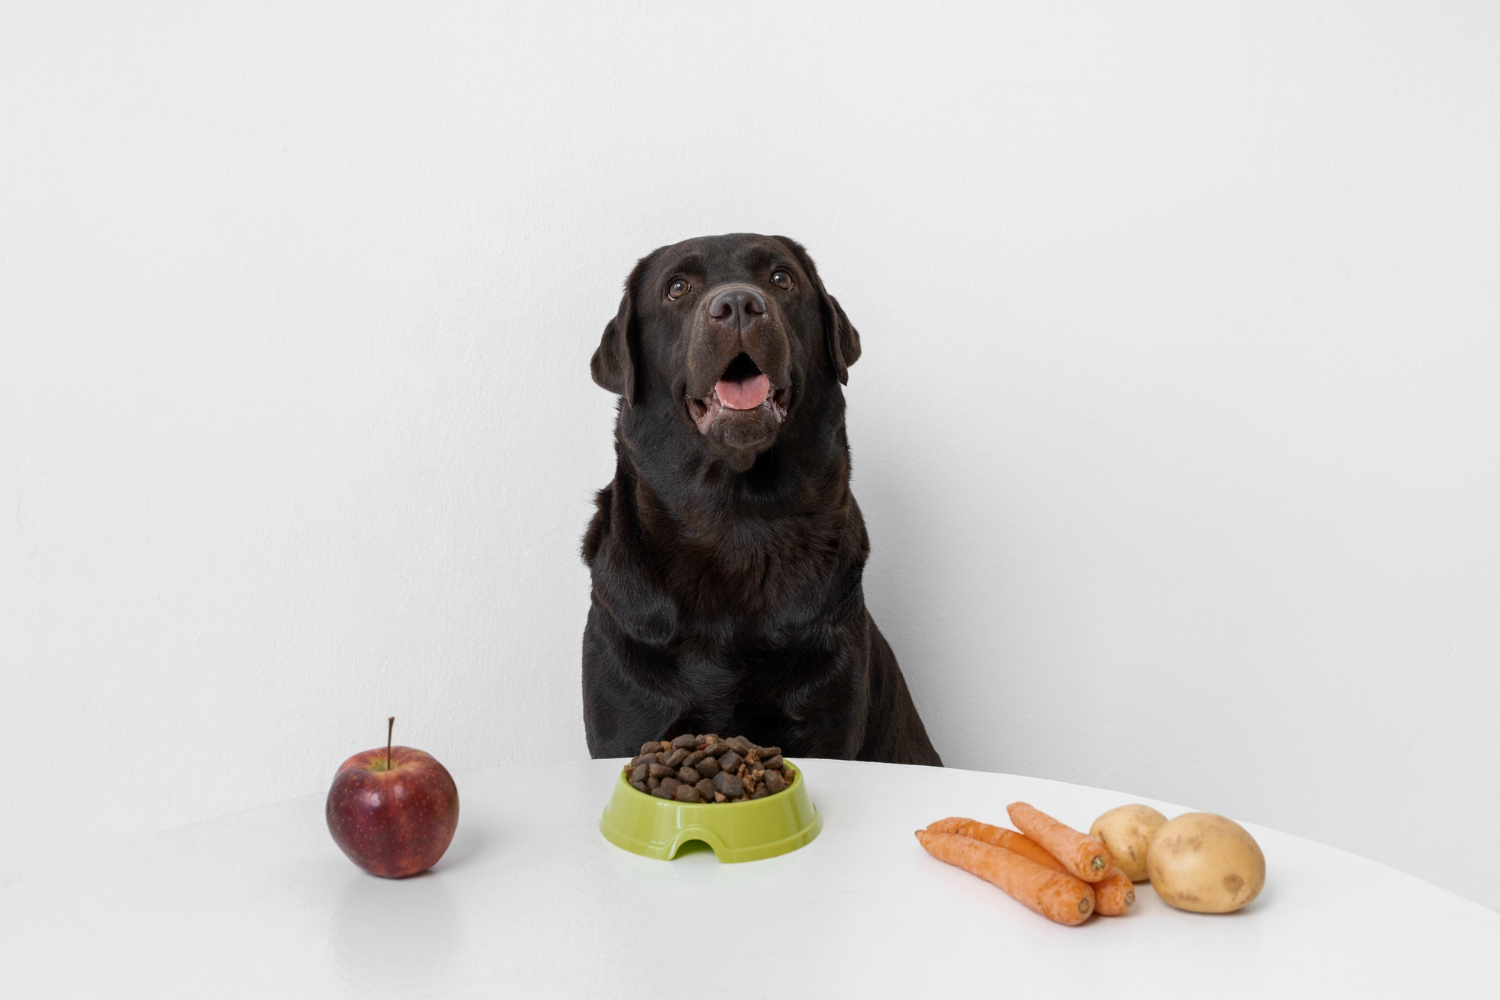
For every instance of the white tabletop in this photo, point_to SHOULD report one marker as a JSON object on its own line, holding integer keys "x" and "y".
{"x": 531, "y": 901}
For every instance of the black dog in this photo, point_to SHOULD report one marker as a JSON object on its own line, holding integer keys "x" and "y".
{"x": 727, "y": 553}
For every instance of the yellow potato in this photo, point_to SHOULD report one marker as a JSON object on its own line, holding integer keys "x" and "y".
{"x": 1127, "y": 832}
{"x": 1205, "y": 863}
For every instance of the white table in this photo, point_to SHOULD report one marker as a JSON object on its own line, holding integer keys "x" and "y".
{"x": 532, "y": 902}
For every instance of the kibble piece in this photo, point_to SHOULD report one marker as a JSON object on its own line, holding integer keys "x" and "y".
{"x": 729, "y": 784}
{"x": 685, "y": 793}
{"x": 640, "y": 774}
{"x": 688, "y": 776}
{"x": 730, "y": 761}
{"x": 660, "y": 770}
{"x": 705, "y": 789}
{"x": 720, "y": 797}
{"x": 640, "y": 786}
{"x": 759, "y": 793}
{"x": 661, "y": 792}
{"x": 708, "y": 767}
{"x": 775, "y": 762}
{"x": 684, "y": 742}
{"x": 766, "y": 753}
{"x": 775, "y": 782}
{"x": 675, "y": 758}
{"x": 711, "y": 739}
{"x": 670, "y": 784}
{"x": 693, "y": 758}
{"x": 650, "y": 747}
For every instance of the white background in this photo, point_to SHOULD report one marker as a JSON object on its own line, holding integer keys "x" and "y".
{"x": 1176, "y": 427}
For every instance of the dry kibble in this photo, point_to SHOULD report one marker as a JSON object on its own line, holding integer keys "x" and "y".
{"x": 708, "y": 768}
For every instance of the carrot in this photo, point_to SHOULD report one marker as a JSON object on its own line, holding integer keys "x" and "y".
{"x": 999, "y": 836}
{"x": 1055, "y": 895}
{"x": 1114, "y": 894}
{"x": 1081, "y": 855}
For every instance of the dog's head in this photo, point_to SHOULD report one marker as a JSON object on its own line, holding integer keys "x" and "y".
{"x": 726, "y": 334}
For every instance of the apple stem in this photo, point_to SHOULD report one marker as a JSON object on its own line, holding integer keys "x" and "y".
{"x": 390, "y": 725}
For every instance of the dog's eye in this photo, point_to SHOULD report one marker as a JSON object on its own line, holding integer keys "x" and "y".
{"x": 781, "y": 279}
{"x": 677, "y": 289}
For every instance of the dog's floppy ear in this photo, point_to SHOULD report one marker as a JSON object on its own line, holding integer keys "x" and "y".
{"x": 843, "y": 339}
{"x": 613, "y": 365}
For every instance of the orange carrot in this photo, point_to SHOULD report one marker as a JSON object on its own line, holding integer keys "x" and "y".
{"x": 1082, "y": 855}
{"x": 999, "y": 836}
{"x": 1114, "y": 894}
{"x": 1055, "y": 895}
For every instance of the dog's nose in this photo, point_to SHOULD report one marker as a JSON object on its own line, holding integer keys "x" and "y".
{"x": 737, "y": 309}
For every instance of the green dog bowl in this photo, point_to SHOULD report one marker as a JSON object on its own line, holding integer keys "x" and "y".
{"x": 737, "y": 831}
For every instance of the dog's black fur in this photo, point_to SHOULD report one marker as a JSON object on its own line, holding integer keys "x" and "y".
{"x": 727, "y": 553}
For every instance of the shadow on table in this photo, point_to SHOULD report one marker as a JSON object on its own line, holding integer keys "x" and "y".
{"x": 395, "y": 937}
{"x": 470, "y": 844}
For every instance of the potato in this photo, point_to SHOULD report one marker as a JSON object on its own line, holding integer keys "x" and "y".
{"x": 1205, "y": 863}
{"x": 1127, "y": 832}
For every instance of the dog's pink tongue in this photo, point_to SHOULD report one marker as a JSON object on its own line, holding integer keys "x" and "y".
{"x": 746, "y": 395}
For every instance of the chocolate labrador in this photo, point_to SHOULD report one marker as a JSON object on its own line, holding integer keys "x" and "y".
{"x": 727, "y": 554}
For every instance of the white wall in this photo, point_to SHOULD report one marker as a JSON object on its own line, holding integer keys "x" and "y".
{"x": 1176, "y": 428}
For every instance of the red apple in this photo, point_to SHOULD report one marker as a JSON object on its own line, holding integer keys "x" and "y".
{"x": 393, "y": 810}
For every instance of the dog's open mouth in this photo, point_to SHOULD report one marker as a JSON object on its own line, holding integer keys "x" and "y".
{"x": 743, "y": 388}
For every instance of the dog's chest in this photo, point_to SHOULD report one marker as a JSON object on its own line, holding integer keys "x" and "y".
{"x": 720, "y": 686}
{"x": 761, "y": 580}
